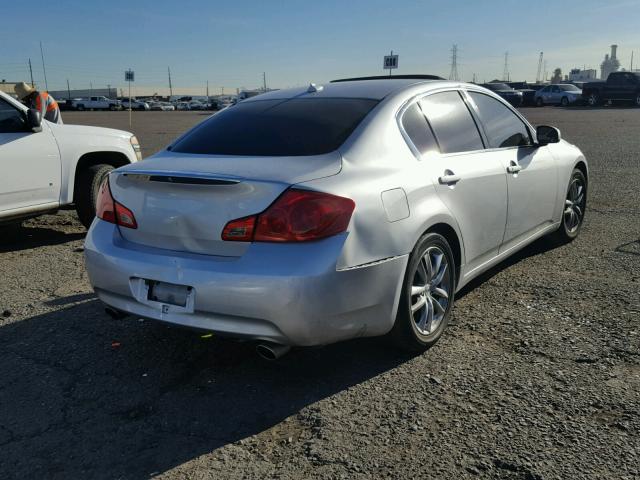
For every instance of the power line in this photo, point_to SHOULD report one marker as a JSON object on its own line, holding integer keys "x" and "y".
{"x": 44, "y": 70}
{"x": 505, "y": 72}
{"x": 538, "y": 79}
{"x": 453, "y": 75}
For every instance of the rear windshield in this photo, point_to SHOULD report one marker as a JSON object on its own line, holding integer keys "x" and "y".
{"x": 310, "y": 126}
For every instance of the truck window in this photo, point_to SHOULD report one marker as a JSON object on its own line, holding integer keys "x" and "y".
{"x": 11, "y": 120}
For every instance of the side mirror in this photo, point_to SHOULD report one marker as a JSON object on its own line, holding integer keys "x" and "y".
{"x": 547, "y": 135}
{"x": 34, "y": 122}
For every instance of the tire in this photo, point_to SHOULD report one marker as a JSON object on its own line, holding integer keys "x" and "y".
{"x": 87, "y": 187}
{"x": 637, "y": 102}
{"x": 80, "y": 107}
{"x": 539, "y": 102}
{"x": 574, "y": 207}
{"x": 112, "y": 108}
{"x": 419, "y": 323}
{"x": 564, "y": 102}
{"x": 593, "y": 100}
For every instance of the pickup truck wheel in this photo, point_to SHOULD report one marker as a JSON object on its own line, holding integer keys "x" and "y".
{"x": 593, "y": 100}
{"x": 87, "y": 187}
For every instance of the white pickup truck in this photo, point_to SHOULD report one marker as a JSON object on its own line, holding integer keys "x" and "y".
{"x": 45, "y": 165}
{"x": 96, "y": 103}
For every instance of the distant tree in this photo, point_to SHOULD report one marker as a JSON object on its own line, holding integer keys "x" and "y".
{"x": 557, "y": 76}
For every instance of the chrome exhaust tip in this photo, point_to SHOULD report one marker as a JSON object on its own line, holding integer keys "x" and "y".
{"x": 272, "y": 351}
{"x": 115, "y": 314}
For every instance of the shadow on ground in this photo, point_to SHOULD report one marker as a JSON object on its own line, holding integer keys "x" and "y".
{"x": 18, "y": 237}
{"x": 84, "y": 396}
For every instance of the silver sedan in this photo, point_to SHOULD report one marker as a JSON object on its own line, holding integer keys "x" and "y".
{"x": 560, "y": 94}
{"x": 314, "y": 215}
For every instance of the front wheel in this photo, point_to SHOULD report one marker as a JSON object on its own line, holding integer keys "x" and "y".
{"x": 427, "y": 295}
{"x": 87, "y": 187}
{"x": 637, "y": 102}
{"x": 564, "y": 102}
{"x": 539, "y": 102}
{"x": 574, "y": 208}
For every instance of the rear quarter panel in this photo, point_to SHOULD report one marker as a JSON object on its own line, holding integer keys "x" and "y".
{"x": 377, "y": 159}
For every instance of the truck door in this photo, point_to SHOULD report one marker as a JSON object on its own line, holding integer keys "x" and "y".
{"x": 29, "y": 164}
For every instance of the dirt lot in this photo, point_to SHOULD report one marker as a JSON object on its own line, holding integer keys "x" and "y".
{"x": 537, "y": 378}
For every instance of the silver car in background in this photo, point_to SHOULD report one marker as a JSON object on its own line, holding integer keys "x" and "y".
{"x": 313, "y": 215}
{"x": 558, "y": 94}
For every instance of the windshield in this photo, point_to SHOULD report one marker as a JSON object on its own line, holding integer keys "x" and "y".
{"x": 569, "y": 88}
{"x": 295, "y": 127}
{"x": 498, "y": 86}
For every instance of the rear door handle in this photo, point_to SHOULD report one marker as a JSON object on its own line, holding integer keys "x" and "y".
{"x": 514, "y": 168}
{"x": 449, "y": 179}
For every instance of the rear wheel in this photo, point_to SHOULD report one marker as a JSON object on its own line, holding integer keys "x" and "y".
{"x": 637, "y": 102}
{"x": 539, "y": 102}
{"x": 593, "y": 100}
{"x": 80, "y": 107}
{"x": 87, "y": 187}
{"x": 573, "y": 209}
{"x": 427, "y": 295}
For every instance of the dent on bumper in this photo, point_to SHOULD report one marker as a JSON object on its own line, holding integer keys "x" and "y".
{"x": 290, "y": 294}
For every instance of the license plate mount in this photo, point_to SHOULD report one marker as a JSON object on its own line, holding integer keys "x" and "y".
{"x": 168, "y": 293}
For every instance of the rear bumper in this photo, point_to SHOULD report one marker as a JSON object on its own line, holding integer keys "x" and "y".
{"x": 285, "y": 293}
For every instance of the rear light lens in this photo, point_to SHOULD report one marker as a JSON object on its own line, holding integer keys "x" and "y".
{"x": 109, "y": 210}
{"x": 240, "y": 230}
{"x": 296, "y": 216}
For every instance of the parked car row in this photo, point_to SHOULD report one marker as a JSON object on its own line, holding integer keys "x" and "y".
{"x": 104, "y": 103}
{"x": 619, "y": 87}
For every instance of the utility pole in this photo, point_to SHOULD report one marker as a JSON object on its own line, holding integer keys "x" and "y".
{"x": 474, "y": 78}
{"x": 538, "y": 79}
{"x": 631, "y": 61}
{"x": 91, "y": 88}
{"x": 505, "y": 73}
{"x": 44, "y": 70}
{"x": 109, "y": 90}
{"x": 545, "y": 71}
{"x": 207, "y": 90}
{"x": 264, "y": 81}
{"x": 453, "y": 74}
{"x": 68, "y": 90}
{"x": 170, "y": 87}
{"x": 33, "y": 85}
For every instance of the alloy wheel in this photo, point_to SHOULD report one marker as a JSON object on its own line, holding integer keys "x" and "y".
{"x": 638, "y": 100}
{"x": 593, "y": 100}
{"x": 430, "y": 290}
{"x": 574, "y": 205}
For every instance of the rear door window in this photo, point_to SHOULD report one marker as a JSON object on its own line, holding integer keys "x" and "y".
{"x": 418, "y": 130}
{"x": 452, "y": 123}
{"x": 502, "y": 127}
{"x": 294, "y": 127}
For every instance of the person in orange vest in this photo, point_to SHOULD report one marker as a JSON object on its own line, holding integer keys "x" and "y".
{"x": 41, "y": 101}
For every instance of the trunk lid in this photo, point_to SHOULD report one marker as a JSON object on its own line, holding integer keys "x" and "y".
{"x": 182, "y": 202}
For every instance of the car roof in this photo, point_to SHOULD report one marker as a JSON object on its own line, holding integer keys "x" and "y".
{"x": 372, "y": 89}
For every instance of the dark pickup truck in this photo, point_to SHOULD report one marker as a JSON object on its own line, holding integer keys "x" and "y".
{"x": 619, "y": 87}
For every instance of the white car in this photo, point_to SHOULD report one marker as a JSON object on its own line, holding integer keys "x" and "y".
{"x": 46, "y": 165}
{"x": 96, "y": 103}
{"x": 183, "y": 106}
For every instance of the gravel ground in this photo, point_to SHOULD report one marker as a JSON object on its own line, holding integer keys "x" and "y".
{"x": 538, "y": 376}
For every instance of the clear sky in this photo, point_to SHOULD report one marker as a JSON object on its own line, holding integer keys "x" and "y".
{"x": 230, "y": 44}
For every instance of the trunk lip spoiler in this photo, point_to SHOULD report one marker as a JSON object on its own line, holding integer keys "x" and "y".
{"x": 221, "y": 179}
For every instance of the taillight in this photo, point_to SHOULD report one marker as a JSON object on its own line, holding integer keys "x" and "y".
{"x": 296, "y": 216}
{"x": 109, "y": 210}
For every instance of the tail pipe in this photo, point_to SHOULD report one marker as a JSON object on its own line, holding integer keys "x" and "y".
{"x": 272, "y": 351}
{"x": 115, "y": 314}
